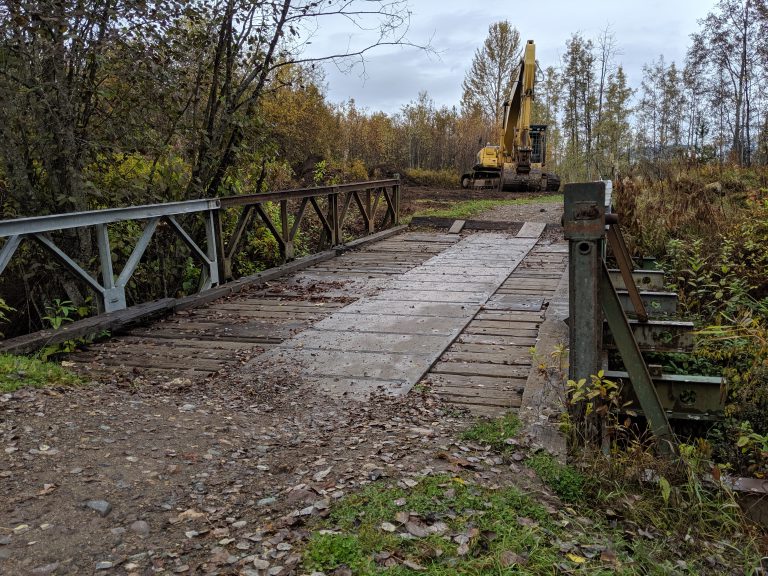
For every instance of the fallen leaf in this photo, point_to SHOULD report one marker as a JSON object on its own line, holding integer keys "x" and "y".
{"x": 189, "y": 514}
{"x": 322, "y": 474}
{"x": 576, "y": 558}
{"x": 609, "y": 557}
{"x": 417, "y": 529}
{"x": 509, "y": 559}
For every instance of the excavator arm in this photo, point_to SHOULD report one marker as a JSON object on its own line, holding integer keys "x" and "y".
{"x": 516, "y": 127}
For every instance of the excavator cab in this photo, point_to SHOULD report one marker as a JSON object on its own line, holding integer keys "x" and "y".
{"x": 538, "y": 135}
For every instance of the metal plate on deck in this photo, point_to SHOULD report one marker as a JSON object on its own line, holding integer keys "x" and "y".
{"x": 515, "y": 303}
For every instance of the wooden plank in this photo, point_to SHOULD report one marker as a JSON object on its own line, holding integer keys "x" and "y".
{"x": 511, "y": 402}
{"x": 204, "y": 337}
{"x": 484, "y": 348}
{"x": 456, "y": 227}
{"x": 511, "y": 315}
{"x": 275, "y": 304}
{"x": 499, "y": 340}
{"x": 480, "y": 382}
{"x": 498, "y": 324}
{"x": 258, "y": 314}
{"x": 487, "y": 411}
{"x": 146, "y": 362}
{"x": 521, "y": 359}
{"x": 106, "y": 373}
{"x": 189, "y": 343}
{"x": 207, "y": 358}
{"x": 113, "y": 321}
{"x": 500, "y": 331}
{"x": 481, "y": 369}
{"x": 531, "y": 230}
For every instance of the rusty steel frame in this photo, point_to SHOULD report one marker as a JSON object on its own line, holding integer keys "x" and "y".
{"x": 592, "y": 297}
{"x": 338, "y": 199}
{"x": 216, "y": 255}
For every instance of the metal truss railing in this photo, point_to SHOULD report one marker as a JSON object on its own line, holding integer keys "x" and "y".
{"x": 218, "y": 252}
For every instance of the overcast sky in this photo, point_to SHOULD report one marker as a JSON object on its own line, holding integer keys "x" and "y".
{"x": 393, "y": 76}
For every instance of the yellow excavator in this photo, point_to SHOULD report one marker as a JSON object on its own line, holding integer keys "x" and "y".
{"x": 518, "y": 163}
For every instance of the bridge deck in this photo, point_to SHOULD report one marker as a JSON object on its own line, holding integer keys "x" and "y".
{"x": 459, "y": 313}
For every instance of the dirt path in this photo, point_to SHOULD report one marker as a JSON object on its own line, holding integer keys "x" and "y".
{"x": 212, "y": 476}
{"x": 548, "y": 212}
{"x": 215, "y": 479}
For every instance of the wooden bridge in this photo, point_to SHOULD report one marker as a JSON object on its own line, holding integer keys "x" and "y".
{"x": 458, "y": 311}
{"x": 398, "y": 306}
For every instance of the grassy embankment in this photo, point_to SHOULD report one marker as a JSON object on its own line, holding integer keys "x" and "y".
{"x": 583, "y": 522}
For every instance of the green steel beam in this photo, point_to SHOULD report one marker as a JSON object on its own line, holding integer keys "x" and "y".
{"x": 637, "y": 370}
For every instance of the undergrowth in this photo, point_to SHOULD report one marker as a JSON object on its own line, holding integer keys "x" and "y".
{"x": 20, "y": 371}
{"x": 616, "y": 517}
{"x": 708, "y": 226}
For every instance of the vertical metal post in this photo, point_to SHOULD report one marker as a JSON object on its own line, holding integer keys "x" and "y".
{"x": 113, "y": 296}
{"x": 369, "y": 211}
{"x": 288, "y": 250}
{"x": 333, "y": 217}
{"x": 396, "y": 201}
{"x": 211, "y": 247}
{"x": 584, "y": 227}
{"x": 221, "y": 256}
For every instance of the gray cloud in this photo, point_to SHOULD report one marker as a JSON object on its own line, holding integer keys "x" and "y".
{"x": 394, "y": 76}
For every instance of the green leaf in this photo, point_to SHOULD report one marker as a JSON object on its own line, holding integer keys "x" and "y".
{"x": 666, "y": 489}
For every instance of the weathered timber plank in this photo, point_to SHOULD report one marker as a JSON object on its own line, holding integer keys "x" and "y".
{"x": 501, "y": 331}
{"x": 521, "y": 359}
{"x": 497, "y": 324}
{"x": 112, "y": 321}
{"x": 283, "y": 305}
{"x": 514, "y": 350}
{"x": 510, "y": 315}
{"x": 496, "y": 340}
{"x": 206, "y": 337}
{"x": 481, "y": 369}
{"x": 512, "y": 402}
{"x": 190, "y": 343}
{"x": 456, "y": 227}
{"x": 257, "y": 314}
{"x": 531, "y": 230}
{"x": 480, "y": 382}
{"x": 147, "y": 362}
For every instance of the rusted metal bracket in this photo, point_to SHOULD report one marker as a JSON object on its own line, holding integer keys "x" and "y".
{"x": 624, "y": 260}
{"x": 592, "y": 297}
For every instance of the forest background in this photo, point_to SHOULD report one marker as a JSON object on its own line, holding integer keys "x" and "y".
{"x": 125, "y": 102}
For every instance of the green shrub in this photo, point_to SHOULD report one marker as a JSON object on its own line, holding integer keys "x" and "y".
{"x": 433, "y": 178}
{"x": 566, "y": 482}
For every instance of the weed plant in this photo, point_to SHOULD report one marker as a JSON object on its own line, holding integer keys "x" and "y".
{"x": 20, "y": 371}
{"x": 616, "y": 518}
{"x": 708, "y": 225}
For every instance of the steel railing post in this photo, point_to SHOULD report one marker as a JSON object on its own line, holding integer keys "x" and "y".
{"x": 584, "y": 228}
{"x": 113, "y": 296}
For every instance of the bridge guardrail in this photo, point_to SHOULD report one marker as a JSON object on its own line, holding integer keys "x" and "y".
{"x": 216, "y": 252}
